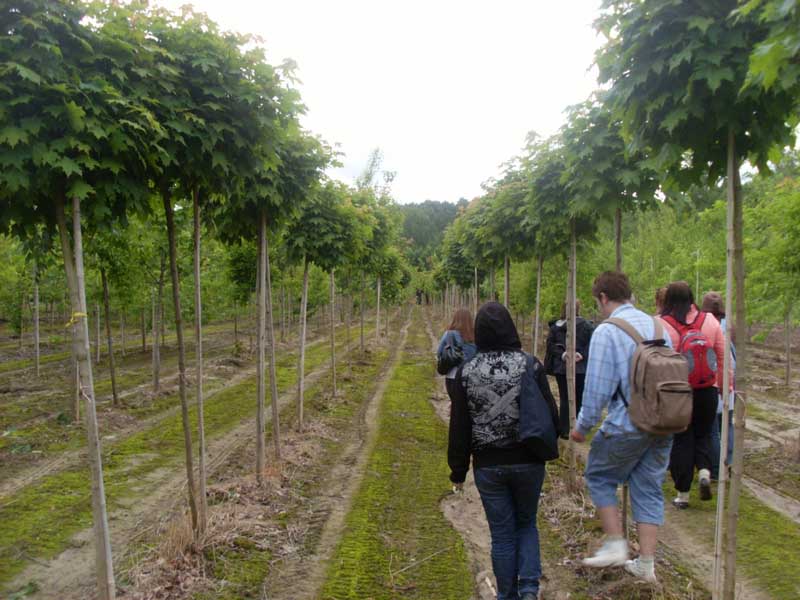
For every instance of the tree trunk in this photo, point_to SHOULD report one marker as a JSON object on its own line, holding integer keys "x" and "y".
{"x": 114, "y": 396}
{"x": 36, "y": 318}
{"x": 273, "y": 373}
{"x": 301, "y": 361}
{"x": 492, "y": 295}
{"x": 719, "y": 553}
{"x": 235, "y": 326}
{"x": 571, "y": 318}
{"x": 283, "y": 312}
{"x": 104, "y": 570}
{"x": 537, "y": 317}
{"x": 143, "y": 331}
{"x": 349, "y": 319}
{"x": 729, "y": 589}
{"x": 97, "y": 333}
{"x": 378, "y": 312}
{"x": 261, "y": 388}
{"x": 333, "y": 330}
{"x": 743, "y": 338}
{"x": 155, "y": 347}
{"x": 787, "y": 336}
{"x": 21, "y": 320}
{"x": 202, "y": 517}
{"x": 618, "y": 240}
{"x": 176, "y": 303}
{"x": 361, "y": 307}
{"x": 163, "y": 321}
{"x": 507, "y": 283}
{"x": 122, "y": 330}
{"x": 475, "y": 293}
{"x": 74, "y": 403}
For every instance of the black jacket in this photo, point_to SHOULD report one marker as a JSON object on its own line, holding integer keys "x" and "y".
{"x": 484, "y": 414}
{"x": 557, "y": 345}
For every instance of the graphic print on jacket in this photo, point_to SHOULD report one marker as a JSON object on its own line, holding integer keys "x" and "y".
{"x": 492, "y": 384}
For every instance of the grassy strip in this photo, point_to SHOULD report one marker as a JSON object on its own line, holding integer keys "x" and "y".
{"x": 396, "y": 541}
{"x": 40, "y": 520}
{"x": 767, "y": 542}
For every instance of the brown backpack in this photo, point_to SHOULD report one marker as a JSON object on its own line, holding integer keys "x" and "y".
{"x": 661, "y": 397}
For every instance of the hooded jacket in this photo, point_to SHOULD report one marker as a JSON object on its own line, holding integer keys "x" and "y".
{"x": 484, "y": 416}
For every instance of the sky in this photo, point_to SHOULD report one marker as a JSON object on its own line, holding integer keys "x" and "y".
{"x": 447, "y": 90}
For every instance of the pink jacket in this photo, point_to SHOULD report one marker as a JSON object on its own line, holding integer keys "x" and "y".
{"x": 712, "y": 330}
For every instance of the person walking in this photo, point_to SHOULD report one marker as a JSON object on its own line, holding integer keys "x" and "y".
{"x": 621, "y": 452}
{"x": 555, "y": 360}
{"x": 460, "y": 334}
{"x": 485, "y": 425}
{"x": 698, "y": 336}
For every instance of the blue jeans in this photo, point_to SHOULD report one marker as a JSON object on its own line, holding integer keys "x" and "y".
{"x": 639, "y": 459}
{"x": 716, "y": 431}
{"x": 510, "y": 497}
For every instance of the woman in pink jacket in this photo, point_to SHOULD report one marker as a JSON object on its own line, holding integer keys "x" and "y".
{"x": 704, "y": 346}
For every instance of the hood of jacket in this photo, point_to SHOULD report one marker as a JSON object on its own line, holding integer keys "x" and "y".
{"x": 495, "y": 329}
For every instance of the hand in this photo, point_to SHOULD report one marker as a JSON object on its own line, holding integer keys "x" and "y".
{"x": 578, "y": 357}
{"x": 577, "y": 436}
{"x": 458, "y": 487}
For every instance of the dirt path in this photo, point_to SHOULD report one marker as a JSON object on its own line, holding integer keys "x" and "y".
{"x": 341, "y": 485}
{"x": 71, "y": 574}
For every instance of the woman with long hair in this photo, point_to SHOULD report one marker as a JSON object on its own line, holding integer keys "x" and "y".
{"x": 461, "y": 334}
{"x": 692, "y": 448}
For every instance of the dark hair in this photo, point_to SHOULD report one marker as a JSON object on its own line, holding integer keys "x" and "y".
{"x": 661, "y": 294}
{"x": 614, "y": 284}
{"x": 577, "y": 309}
{"x": 713, "y": 303}
{"x": 463, "y": 324}
{"x": 678, "y": 301}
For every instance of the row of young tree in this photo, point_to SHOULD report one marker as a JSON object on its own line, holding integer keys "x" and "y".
{"x": 124, "y": 123}
{"x": 690, "y": 92}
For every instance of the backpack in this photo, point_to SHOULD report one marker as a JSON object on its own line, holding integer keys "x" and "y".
{"x": 698, "y": 350}
{"x": 452, "y": 355}
{"x": 556, "y": 346}
{"x": 538, "y": 419}
{"x": 661, "y": 397}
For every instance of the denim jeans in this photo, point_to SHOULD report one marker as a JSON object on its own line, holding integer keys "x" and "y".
{"x": 639, "y": 459}
{"x": 510, "y": 497}
{"x": 716, "y": 432}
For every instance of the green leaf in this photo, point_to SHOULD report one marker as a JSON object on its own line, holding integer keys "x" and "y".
{"x": 700, "y": 23}
{"x": 75, "y": 116}
{"x": 11, "y": 136}
{"x": 25, "y": 72}
{"x": 80, "y": 189}
{"x": 68, "y": 166}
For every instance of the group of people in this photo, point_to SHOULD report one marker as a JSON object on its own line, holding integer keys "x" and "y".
{"x": 492, "y": 383}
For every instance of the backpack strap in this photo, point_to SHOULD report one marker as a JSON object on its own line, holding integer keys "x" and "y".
{"x": 699, "y": 320}
{"x": 627, "y": 328}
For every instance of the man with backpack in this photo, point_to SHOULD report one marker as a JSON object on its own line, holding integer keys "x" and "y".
{"x": 698, "y": 336}
{"x": 634, "y": 441}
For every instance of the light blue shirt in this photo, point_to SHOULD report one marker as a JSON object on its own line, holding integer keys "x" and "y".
{"x": 608, "y": 370}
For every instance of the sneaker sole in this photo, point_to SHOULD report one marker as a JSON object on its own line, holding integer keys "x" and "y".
{"x": 680, "y": 505}
{"x": 602, "y": 564}
{"x": 705, "y": 490}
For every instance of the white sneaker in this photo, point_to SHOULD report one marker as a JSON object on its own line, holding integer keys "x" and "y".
{"x": 613, "y": 553}
{"x": 705, "y": 484}
{"x": 645, "y": 571}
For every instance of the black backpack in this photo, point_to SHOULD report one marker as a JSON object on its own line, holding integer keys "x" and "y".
{"x": 452, "y": 355}
{"x": 556, "y": 346}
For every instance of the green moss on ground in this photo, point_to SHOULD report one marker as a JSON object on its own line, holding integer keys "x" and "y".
{"x": 395, "y": 522}
{"x": 40, "y": 520}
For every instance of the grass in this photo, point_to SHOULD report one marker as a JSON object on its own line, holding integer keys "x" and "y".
{"x": 396, "y": 542}
{"x": 40, "y": 520}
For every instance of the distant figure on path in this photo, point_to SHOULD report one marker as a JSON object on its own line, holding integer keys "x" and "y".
{"x": 555, "y": 362}
{"x": 459, "y": 335}
{"x": 485, "y": 424}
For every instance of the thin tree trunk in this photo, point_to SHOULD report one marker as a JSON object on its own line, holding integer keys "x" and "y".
{"x": 36, "y": 317}
{"x": 378, "y": 312}
{"x": 235, "y": 325}
{"x": 122, "y": 330}
{"x": 283, "y": 312}
{"x": 301, "y": 361}
{"x": 537, "y": 316}
{"x": 333, "y": 330}
{"x": 104, "y": 570}
{"x": 74, "y": 403}
{"x": 273, "y": 373}
{"x": 618, "y": 241}
{"x": 202, "y": 517}
{"x": 349, "y": 319}
{"x": 729, "y": 590}
{"x": 719, "y": 555}
{"x": 787, "y": 336}
{"x": 475, "y": 293}
{"x": 261, "y": 388}
{"x": 143, "y": 331}
{"x": 155, "y": 347}
{"x": 361, "y": 307}
{"x": 97, "y": 333}
{"x": 176, "y": 302}
{"x": 507, "y": 283}
{"x": 114, "y": 397}
{"x": 571, "y": 318}
{"x": 21, "y": 320}
{"x": 743, "y": 339}
{"x": 492, "y": 294}
{"x": 163, "y": 321}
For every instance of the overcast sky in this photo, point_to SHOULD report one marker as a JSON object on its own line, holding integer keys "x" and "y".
{"x": 447, "y": 90}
